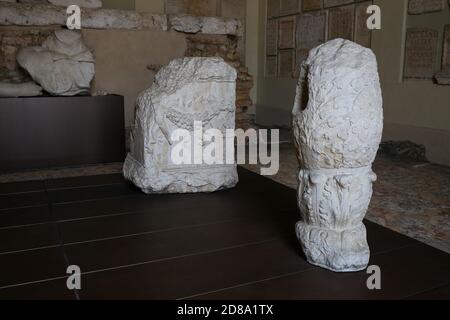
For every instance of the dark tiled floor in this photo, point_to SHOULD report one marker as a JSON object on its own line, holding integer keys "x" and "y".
{"x": 235, "y": 244}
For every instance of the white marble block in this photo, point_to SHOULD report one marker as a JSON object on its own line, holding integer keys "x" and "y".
{"x": 185, "y": 91}
{"x": 62, "y": 66}
{"x": 338, "y": 123}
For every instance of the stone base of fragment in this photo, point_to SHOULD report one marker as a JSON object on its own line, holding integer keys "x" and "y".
{"x": 185, "y": 91}
{"x": 338, "y": 123}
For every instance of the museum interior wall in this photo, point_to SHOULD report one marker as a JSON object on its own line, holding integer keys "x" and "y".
{"x": 416, "y": 108}
{"x": 127, "y": 58}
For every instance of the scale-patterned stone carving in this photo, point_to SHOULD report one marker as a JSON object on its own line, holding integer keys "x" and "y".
{"x": 186, "y": 90}
{"x": 338, "y": 123}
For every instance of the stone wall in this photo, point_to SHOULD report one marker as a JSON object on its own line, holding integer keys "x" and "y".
{"x": 23, "y": 25}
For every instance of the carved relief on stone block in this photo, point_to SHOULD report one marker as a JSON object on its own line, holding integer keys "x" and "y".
{"x": 185, "y": 91}
{"x": 308, "y": 5}
{"x": 288, "y": 7}
{"x": 341, "y": 22}
{"x": 334, "y": 3}
{"x": 425, "y": 6}
{"x": 338, "y": 124}
{"x": 285, "y": 63}
{"x": 273, "y": 8}
{"x": 286, "y": 33}
{"x": 271, "y": 69}
{"x": 363, "y": 35}
{"x": 272, "y": 37}
{"x": 421, "y": 53}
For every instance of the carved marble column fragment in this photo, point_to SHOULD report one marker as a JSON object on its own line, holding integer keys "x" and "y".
{"x": 338, "y": 123}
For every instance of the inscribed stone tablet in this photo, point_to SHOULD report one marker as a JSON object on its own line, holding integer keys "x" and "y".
{"x": 310, "y": 30}
{"x": 334, "y": 3}
{"x": 308, "y": 5}
{"x": 194, "y": 7}
{"x": 420, "y": 55}
{"x": 271, "y": 67}
{"x": 289, "y": 7}
{"x": 273, "y": 8}
{"x": 341, "y": 22}
{"x": 446, "y": 49}
{"x": 272, "y": 37}
{"x": 285, "y": 63}
{"x": 286, "y": 33}
{"x": 425, "y": 6}
{"x": 363, "y": 35}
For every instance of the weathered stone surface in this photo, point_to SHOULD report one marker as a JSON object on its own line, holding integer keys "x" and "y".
{"x": 80, "y": 3}
{"x": 63, "y": 65}
{"x": 46, "y": 15}
{"x": 28, "y": 89}
{"x": 224, "y": 46}
{"x": 209, "y": 25}
{"x": 338, "y": 122}
{"x": 186, "y": 90}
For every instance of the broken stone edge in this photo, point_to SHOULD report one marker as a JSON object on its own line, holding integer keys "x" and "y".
{"x": 21, "y": 14}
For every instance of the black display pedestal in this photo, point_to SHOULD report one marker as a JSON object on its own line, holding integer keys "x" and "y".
{"x": 48, "y": 132}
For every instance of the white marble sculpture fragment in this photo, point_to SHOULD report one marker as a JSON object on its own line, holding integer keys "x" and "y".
{"x": 338, "y": 123}
{"x": 184, "y": 91}
{"x": 62, "y": 65}
{"x": 27, "y": 89}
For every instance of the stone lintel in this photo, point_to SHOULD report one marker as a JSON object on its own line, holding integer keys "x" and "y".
{"x": 20, "y": 14}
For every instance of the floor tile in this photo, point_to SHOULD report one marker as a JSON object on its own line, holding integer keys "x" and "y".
{"x": 403, "y": 272}
{"x": 48, "y": 290}
{"x": 195, "y": 274}
{"x": 33, "y": 265}
{"x": 30, "y": 237}
{"x": 21, "y": 187}
{"x": 163, "y": 245}
{"x": 87, "y": 181}
{"x": 91, "y": 193}
{"x": 441, "y": 293}
{"x": 21, "y": 200}
{"x": 24, "y": 216}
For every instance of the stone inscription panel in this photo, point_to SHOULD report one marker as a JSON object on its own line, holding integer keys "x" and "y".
{"x": 341, "y": 22}
{"x": 286, "y": 33}
{"x": 421, "y": 52}
{"x": 363, "y": 35}
{"x": 334, "y": 3}
{"x": 310, "y": 30}
{"x": 273, "y": 8}
{"x": 308, "y": 5}
{"x": 271, "y": 69}
{"x": 272, "y": 37}
{"x": 425, "y": 6}
{"x": 285, "y": 63}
